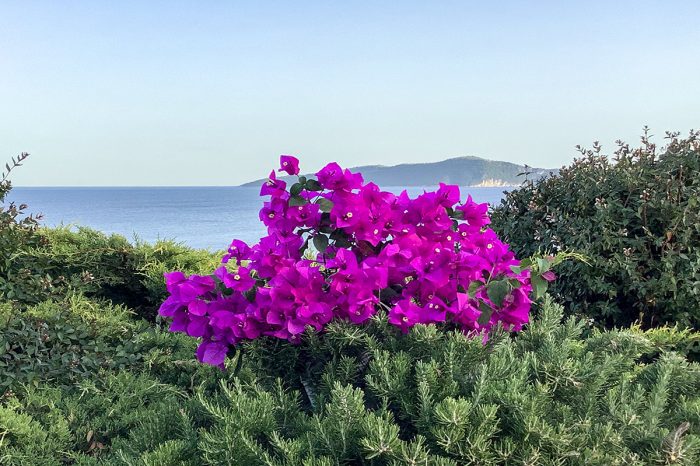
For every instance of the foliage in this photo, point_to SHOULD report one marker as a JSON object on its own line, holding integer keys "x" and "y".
{"x": 636, "y": 216}
{"x": 17, "y": 231}
{"x": 121, "y": 411}
{"x": 65, "y": 341}
{"x": 556, "y": 393}
{"x": 426, "y": 260}
{"x": 81, "y": 260}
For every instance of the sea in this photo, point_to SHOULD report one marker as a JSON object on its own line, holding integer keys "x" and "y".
{"x": 200, "y": 217}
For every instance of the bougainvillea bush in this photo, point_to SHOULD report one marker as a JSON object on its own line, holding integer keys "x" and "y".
{"x": 424, "y": 260}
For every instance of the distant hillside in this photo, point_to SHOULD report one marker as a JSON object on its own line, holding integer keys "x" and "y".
{"x": 462, "y": 171}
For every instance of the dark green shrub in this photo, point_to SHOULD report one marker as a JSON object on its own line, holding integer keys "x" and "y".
{"x": 24, "y": 440}
{"x": 64, "y": 260}
{"x": 91, "y": 262}
{"x": 636, "y": 216}
{"x": 72, "y": 339}
{"x": 66, "y": 341}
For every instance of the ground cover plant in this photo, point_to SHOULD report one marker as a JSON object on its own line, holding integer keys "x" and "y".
{"x": 635, "y": 215}
{"x": 558, "y": 393}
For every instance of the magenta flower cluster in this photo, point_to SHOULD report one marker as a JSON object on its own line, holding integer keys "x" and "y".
{"x": 340, "y": 248}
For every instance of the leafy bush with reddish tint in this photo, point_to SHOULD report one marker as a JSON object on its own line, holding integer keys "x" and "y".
{"x": 635, "y": 215}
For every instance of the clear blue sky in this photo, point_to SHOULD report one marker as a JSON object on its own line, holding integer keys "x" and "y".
{"x": 211, "y": 92}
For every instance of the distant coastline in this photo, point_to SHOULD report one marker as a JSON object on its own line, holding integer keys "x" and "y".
{"x": 468, "y": 171}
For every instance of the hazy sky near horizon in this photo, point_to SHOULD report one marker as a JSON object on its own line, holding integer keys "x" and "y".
{"x": 210, "y": 93}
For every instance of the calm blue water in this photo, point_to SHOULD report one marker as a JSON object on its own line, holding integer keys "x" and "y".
{"x": 201, "y": 217}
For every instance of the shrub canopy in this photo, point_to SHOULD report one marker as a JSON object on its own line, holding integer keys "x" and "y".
{"x": 636, "y": 216}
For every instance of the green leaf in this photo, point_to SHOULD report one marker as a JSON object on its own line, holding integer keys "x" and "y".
{"x": 474, "y": 287}
{"x": 514, "y": 283}
{"x": 343, "y": 243}
{"x": 539, "y": 286}
{"x": 313, "y": 185}
{"x": 457, "y": 215}
{"x": 250, "y": 294}
{"x": 325, "y": 204}
{"x": 296, "y": 201}
{"x": 497, "y": 291}
{"x": 387, "y": 294}
{"x": 542, "y": 264}
{"x": 341, "y": 238}
{"x": 338, "y": 233}
{"x": 486, "y": 312}
{"x": 302, "y": 180}
{"x": 296, "y": 189}
{"x": 321, "y": 242}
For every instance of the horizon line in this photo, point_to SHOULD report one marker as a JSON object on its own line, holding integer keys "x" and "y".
{"x": 134, "y": 186}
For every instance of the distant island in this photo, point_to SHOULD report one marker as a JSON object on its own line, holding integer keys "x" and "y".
{"x": 462, "y": 171}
